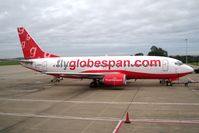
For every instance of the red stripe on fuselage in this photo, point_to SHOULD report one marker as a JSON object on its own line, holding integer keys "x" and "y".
{"x": 140, "y": 75}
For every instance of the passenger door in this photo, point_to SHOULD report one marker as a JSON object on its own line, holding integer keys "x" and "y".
{"x": 165, "y": 65}
{"x": 44, "y": 66}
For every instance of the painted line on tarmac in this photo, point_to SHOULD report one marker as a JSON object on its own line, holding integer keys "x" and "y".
{"x": 98, "y": 102}
{"x": 166, "y": 121}
{"x": 110, "y": 119}
{"x": 60, "y": 117}
{"x": 118, "y": 126}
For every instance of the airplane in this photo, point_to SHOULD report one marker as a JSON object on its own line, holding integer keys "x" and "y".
{"x": 102, "y": 70}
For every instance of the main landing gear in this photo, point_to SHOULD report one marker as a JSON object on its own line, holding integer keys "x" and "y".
{"x": 56, "y": 79}
{"x": 95, "y": 83}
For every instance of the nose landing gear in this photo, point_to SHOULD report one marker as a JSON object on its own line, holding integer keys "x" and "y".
{"x": 167, "y": 82}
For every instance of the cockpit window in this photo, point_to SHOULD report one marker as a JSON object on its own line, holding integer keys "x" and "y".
{"x": 178, "y": 63}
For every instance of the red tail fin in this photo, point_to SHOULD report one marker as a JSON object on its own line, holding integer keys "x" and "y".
{"x": 30, "y": 48}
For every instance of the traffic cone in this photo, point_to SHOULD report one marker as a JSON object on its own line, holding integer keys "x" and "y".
{"x": 127, "y": 118}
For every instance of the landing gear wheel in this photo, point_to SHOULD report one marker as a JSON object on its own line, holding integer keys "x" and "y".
{"x": 56, "y": 79}
{"x": 93, "y": 84}
{"x": 162, "y": 81}
{"x": 96, "y": 83}
{"x": 186, "y": 84}
{"x": 168, "y": 83}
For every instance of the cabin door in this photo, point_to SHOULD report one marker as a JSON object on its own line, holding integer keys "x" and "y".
{"x": 165, "y": 65}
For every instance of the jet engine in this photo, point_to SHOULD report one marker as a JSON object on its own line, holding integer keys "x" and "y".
{"x": 114, "y": 80}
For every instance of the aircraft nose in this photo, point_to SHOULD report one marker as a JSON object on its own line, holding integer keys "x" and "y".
{"x": 189, "y": 69}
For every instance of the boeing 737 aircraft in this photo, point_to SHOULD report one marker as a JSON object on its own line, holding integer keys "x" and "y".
{"x": 106, "y": 70}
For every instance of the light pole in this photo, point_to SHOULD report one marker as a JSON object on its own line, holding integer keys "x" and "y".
{"x": 186, "y": 40}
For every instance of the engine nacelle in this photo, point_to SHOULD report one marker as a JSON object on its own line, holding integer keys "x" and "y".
{"x": 114, "y": 80}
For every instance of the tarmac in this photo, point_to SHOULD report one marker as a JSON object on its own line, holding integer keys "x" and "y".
{"x": 30, "y": 103}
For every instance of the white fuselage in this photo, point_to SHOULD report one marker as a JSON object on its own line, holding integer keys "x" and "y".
{"x": 133, "y": 66}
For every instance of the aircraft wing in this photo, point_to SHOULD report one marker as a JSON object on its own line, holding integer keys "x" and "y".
{"x": 81, "y": 75}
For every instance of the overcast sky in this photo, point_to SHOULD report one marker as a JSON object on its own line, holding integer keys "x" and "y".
{"x": 99, "y": 27}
